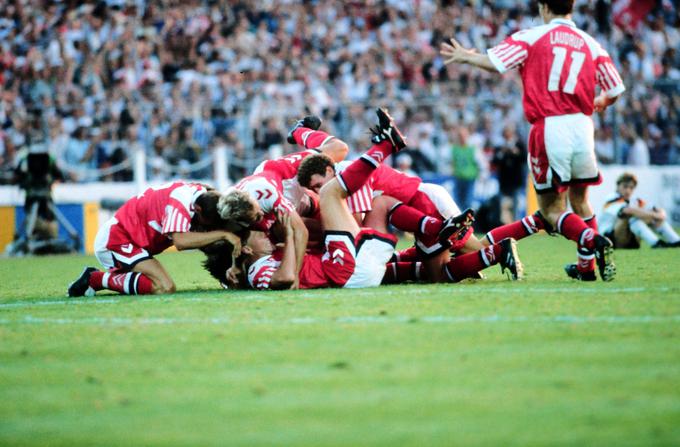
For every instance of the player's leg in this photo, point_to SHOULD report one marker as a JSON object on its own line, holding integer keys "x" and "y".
{"x": 668, "y": 234}
{"x": 120, "y": 258}
{"x": 469, "y": 265}
{"x": 401, "y": 272}
{"x": 306, "y": 133}
{"x": 624, "y": 237}
{"x": 578, "y": 198}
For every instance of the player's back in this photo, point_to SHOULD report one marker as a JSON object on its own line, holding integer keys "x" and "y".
{"x": 560, "y": 67}
{"x": 158, "y": 211}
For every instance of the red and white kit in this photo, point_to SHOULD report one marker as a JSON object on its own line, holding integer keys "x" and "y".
{"x": 142, "y": 227}
{"x": 560, "y": 67}
{"x": 432, "y": 200}
{"x": 346, "y": 262}
{"x": 265, "y": 187}
{"x": 283, "y": 171}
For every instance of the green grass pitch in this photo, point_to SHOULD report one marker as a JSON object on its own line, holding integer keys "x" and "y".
{"x": 545, "y": 361}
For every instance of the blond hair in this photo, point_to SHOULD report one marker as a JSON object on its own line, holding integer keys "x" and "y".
{"x": 237, "y": 207}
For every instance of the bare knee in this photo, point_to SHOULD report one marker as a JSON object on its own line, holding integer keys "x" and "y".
{"x": 332, "y": 190}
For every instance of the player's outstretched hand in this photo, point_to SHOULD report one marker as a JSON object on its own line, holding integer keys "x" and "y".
{"x": 455, "y": 52}
{"x": 232, "y": 277}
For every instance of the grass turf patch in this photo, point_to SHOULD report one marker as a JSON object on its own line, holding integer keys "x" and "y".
{"x": 546, "y": 361}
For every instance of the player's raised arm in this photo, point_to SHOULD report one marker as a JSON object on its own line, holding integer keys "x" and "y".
{"x": 454, "y": 52}
{"x": 286, "y": 275}
{"x": 295, "y": 226}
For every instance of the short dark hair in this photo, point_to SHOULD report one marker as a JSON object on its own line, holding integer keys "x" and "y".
{"x": 559, "y": 7}
{"x": 314, "y": 164}
{"x": 627, "y": 177}
{"x": 208, "y": 203}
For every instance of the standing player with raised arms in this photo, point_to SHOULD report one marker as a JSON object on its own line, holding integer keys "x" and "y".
{"x": 560, "y": 66}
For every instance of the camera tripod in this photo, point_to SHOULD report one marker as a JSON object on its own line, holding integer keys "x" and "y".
{"x": 26, "y": 243}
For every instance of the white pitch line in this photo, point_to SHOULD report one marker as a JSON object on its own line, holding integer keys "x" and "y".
{"x": 360, "y": 319}
{"x": 267, "y": 296}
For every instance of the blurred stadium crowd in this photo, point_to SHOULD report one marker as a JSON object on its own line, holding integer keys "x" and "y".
{"x": 94, "y": 82}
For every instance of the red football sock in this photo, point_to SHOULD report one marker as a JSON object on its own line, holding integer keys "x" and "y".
{"x": 357, "y": 173}
{"x": 586, "y": 258}
{"x": 519, "y": 229}
{"x": 400, "y": 272}
{"x": 131, "y": 283}
{"x": 310, "y": 139}
{"x": 468, "y": 265}
{"x": 410, "y": 219}
{"x": 406, "y": 255}
{"x": 573, "y": 228}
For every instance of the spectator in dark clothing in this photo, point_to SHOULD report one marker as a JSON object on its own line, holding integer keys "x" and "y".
{"x": 510, "y": 162}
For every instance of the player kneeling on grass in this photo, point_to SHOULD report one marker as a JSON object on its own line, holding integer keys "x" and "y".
{"x": 153, "y": 221}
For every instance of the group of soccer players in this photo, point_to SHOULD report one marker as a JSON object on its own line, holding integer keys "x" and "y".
{"x": 311, "y": 219}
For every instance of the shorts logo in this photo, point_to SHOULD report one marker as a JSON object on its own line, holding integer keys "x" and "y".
{"x": 535, "y": 165}
{"x": 126, "y": 248}
{"x": 338, "y": 256}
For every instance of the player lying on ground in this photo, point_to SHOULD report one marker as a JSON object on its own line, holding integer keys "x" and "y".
{"x": 319, "y": 270}
{"x": 153, "y": 221}
{"x": 560, "y": 66}
{"x": 271, "y": 182}
{"x": 425, "y": 209}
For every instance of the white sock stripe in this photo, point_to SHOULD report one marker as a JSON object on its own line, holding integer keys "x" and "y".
{"x": 588, "y": 233}
{"x": 489, "y": 236}
{"x": 105, "y": 280}
{"x": 527, "y": 227}
{"x": 448, "y": 273}
{"x": 134, "y": 284}
{"x": 560, "y": 220}
{"x": 531, "y": 220}
{"x": 587, "y": 256}
{"x": 370, "y": 160}
{"x": 326, "y": 140}
{"x": 394, "y": 270}
{"x": 485, "y": 259}
{"x": 126, "y": 283}
{"x": 417, "y": 272}
{"x": 342, "y": 183}
{"x": 305, "y": 136}
{"x": 423, "y": 220}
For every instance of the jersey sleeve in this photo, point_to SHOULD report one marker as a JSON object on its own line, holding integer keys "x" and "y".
{"x": 361, "y": 201}
{"x": 261, "y": 272}
{"x": 509, "y": 54}
{"x": 608, "y": 77}
{"x": 176, "y": 219}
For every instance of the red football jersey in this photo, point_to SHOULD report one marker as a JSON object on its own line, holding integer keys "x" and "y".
{"x": 560, "y": 66}
{"x": 395, "y": 184}
{"x": 285, "y": 167}
{"x": 267, "y": 191}
{"x": 312, "y": 275}
{"x": 153, "y": 215}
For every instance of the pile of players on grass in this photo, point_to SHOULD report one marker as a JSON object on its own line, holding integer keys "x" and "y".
{"x": 306, "y": 220}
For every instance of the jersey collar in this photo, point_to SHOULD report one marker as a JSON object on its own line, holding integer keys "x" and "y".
{"x": 563, "y": 22}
